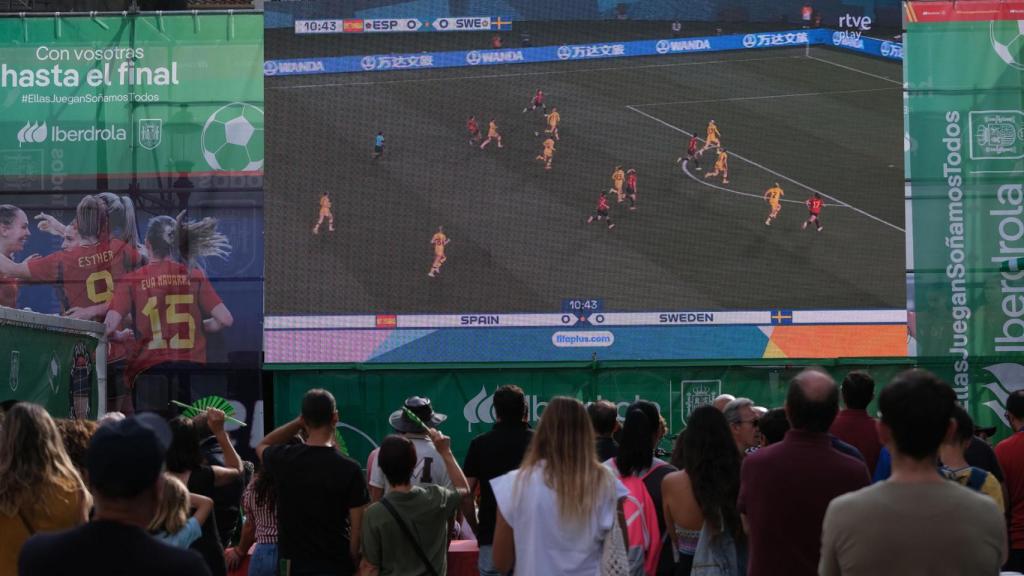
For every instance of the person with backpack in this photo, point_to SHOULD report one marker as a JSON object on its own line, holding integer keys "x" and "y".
{"x": 955, "y": 467}
{"x": 641, "y": 473}
{"x": 557, "y": 509}
{"x": 700, "y": 500}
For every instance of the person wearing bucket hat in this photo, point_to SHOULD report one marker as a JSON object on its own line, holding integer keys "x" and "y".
{"x": 409, "y": 421}
{"x": 125, "y": 463}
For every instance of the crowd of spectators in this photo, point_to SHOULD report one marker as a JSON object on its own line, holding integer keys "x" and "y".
{"x": 747, "y": 490}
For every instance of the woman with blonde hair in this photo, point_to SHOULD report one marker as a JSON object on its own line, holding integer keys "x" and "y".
{"x": 172, "y": 522}
{"x": 40, "y": 489}
{"x": 556, "y": 509}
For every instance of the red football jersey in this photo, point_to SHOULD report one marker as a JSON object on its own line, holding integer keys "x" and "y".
{"x": 814, "y": 205}
{"x": 167, "y": 303}
{"x": 472, "y": 126}
{"x": 602, "y": 203}
{"x": 692, "y": 148}
{"x": 538, "y": 98}
{"x": 8, "y": 291}
{"x": 631, "y": 181}
{"x": 84, "y": 275}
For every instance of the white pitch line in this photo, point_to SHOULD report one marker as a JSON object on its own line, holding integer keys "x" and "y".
{"x": 859, "y": 71}
{"x": 779, "y": 174}
{"x": 794, "y": 95}
{"x": 738, "y": 192}
{"x": 519, "y": 74}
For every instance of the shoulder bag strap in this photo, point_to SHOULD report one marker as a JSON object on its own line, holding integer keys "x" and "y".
{"x": 408, "y": 535}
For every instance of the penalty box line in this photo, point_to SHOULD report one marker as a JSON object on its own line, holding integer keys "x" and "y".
{"x": 779, "y": 174}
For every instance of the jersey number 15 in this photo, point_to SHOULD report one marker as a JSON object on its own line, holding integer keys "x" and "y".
{"x": 172, "y": 315}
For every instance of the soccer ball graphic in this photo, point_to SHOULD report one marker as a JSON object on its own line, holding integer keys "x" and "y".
{"x": 232, "y": 138}
{"x": 1007, "y": 41}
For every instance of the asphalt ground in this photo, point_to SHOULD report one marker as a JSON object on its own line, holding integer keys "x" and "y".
{"x": 824, "y": 120}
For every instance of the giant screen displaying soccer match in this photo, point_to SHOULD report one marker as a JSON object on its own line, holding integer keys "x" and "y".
{"x": 470, "y": 181}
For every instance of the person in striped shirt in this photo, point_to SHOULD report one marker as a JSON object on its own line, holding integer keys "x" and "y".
{"x": 259, "y": 505}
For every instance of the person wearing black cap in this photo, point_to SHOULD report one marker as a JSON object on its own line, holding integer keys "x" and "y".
{"x": 125, "y": 463}
{"x": 321, "y": 493}
{"x": 430, "y": 468}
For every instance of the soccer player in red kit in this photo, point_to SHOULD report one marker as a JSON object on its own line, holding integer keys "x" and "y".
{"x": 14, "y": 231}
{"x": 692, "y": 156}
{"x": 631, "y": 187}
{"x": 474, "y": 130}
{"x": 172, "y": 303}
{"x": 86, "y": 271}
{"x": 602, "y": 211}
{"x": 536, "y": 102}
{"x": 814, "y": 204}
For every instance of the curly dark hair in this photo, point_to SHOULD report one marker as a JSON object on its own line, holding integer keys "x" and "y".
{"x": 75, "y": 434}
{"x": 713, "y": 464}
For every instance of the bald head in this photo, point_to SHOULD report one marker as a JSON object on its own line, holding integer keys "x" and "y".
{"x": 722, "y": 401}
{"x": 812, "y": 401}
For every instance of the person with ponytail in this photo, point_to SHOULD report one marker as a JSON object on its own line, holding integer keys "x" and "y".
{"x": 172, "y": 304}
{"x": 14, "y": 231}
{"x": 84, "y": 273}
{"x": 641, "y": 433}
{"x": 556, "y": 509}
{"x": 705, "y": 493}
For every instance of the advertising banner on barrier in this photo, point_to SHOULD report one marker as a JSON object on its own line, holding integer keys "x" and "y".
{"x": 966, "y": 169}
{"x": 366, "y": 398}
{"x": 91, "y": 102}
{"x": 384, "y": 62}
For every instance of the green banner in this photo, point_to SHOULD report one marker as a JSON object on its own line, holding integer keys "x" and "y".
{"x": 366, "y": 398}
{"x": 43, "y": 366}
{"x": 966, "y": 169}
{"x": 124, "y": 97}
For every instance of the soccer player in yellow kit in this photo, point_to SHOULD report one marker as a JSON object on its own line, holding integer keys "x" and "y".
{"x": 325, "y": 212}
{"x": 618, "y": 177}
{"x": 439, "y": 241}
{"x": 713, "y": 136}
{"x": 774, "y": 196}
{"x": 548, "y": 154}
{"x": 553, "y": 119}
{"x": 721, "y": 167}
{"x": 492, "y": 134}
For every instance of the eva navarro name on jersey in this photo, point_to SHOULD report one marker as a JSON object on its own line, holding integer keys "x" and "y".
{"x": 686, "y": 318}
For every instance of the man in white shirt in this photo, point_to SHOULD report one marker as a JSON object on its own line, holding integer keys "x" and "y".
{"x": 430, "y": 467}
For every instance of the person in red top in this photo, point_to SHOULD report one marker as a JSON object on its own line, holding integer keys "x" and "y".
{"x": 123, "y": 242}
{"x": 631, "y": 187}
{"x": 536, "y": 102}
{"x": 853, "y": 425}
{"x": 474, "y": 130}
{"x": 692, "y": 156}
{"x": 14, "y": 231}
{"x": 814, "y": 204}
{"x": 1010, "y": 453}
{"x": 84, "y": 273}
{"x": 602, "y": 211}
{"x": 172, "y": 304}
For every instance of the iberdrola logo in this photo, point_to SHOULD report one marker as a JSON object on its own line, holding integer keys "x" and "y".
{"x": 479, "y": 409}
{"x": 1009, "y": 379}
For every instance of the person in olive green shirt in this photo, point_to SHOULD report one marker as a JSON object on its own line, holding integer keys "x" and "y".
{"x": 425, "y": 510}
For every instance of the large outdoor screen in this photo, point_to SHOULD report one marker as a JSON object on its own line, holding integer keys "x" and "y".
{"x": 623, "y": 185}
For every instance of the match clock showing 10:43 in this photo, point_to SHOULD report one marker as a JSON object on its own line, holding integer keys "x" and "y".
{"x": 582, "y": 307}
